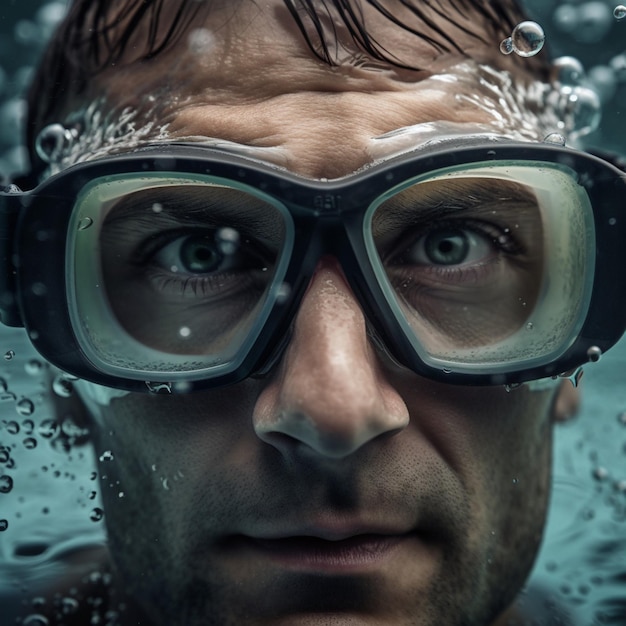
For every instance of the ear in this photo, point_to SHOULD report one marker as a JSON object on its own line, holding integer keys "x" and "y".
{"x": 566, "y": 401}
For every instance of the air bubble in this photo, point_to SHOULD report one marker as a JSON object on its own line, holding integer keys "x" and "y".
{"x": 30, "y": 443}
{"x": 604, "y": 82}
{"x": 107, "y": 455}
{"x": 530, "y": 326}
{"x": 6, "y": 484}
{"x": 580, "y": 109}
{"x": 619, "y": 12}
{"x": 85, "y": 223}
{"x": 612, "y": 221}
{"x": 33, "y": 367}
{"x": 12, "y": 427}
{"x": 595, "y": 20}
{"x": 35, "y": 620}
{"x": 506, "y": 46}
{"x": 594, "y": 353}
{"x": 555, "y": 138}
{"x": 48, "y": 428}
{"x": 618, "y": 65}
{"x": 52, "y": 142}
{"x": 227, "y": 240}
{"x": 621, "y": 418}
{"x": 96, "y": 515}
{"x": 4, "y": 524}
{"x": 157, "y": 207}
{"x": 567, "y": 70}
{"x": 25, "y": 407}
{"x": 184, "y": 331}
{"x": 159, "y": 387}
{"x": 8, "y": 355}
{"x": 527, "y": 39}
{"x": 62, "y": 387}
{"x": 69, "y": 606}
{"x": 566, "y": 18}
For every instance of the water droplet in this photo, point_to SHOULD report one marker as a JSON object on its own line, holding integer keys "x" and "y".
{"x": 52, "y": 142}
{"x": 594, "y": 353}
{"x": 228, "y": 240}
{"x": 159, "y": 387}
{"x": 555, "y": 138}
{"x": 6, "y": 483}
{"x": 33, "y": 367}
{"x": 12, "y": 427}
{"x": 4, "y": 524}
{"x": 85, "y": 223}
{"x": 527, "y": 39}
{"x": 62, "y": 387}
{"x": 35, "y": 620}
{"x": 619, "y": 12}
{"x": 506, "y": 46}
{"x": 30, "y": 443}
{"x": 567, "y": 70}
{"x": 96, "y": 514}
{"x": 184, "y": 331}
{"x": 200, "y": 41}
{"x": 107, "y": 455}
{"x": 8, "y": 355}
{"x": 25, "y": 407}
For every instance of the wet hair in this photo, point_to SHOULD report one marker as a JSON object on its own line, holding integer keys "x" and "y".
{"x": 98, "y": 34}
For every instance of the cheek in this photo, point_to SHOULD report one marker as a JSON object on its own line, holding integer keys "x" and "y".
{"x": 167, "y": 453}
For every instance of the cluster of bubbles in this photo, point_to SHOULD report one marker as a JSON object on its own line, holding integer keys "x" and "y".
{"x": 526, "y": 40}
{"x": 588, "y": 22}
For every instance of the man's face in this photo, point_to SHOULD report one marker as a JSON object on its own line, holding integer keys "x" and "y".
{"x": 340, "y": 488}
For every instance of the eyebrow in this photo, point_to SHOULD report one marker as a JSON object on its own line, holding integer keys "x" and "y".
{"x": 426, "y": 202}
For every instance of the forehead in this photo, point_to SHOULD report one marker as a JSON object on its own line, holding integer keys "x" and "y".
{"x": 243, "y": 73}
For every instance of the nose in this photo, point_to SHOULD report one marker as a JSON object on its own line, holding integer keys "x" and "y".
{"x": 331, "y": 395}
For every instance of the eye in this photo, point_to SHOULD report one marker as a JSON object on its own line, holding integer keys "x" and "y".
{"x": 448, "y": 246}
{"x": 194, "y": 254}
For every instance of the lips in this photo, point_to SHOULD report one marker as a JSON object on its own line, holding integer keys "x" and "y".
{"x": 308, "y": 553}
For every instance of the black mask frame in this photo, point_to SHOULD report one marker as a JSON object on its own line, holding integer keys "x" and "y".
{"x": 328, "y": 221}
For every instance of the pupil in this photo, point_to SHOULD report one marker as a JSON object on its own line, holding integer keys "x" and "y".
{"x": 200, "y": 255}
{"x": 449, "y": 247}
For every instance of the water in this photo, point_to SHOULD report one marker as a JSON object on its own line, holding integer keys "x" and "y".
{"x": 582, "y": 560}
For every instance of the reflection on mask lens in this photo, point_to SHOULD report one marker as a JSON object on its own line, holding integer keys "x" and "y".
{"x": 475, "y": 262}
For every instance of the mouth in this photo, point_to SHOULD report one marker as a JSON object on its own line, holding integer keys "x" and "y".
{"x": 314, "y": 554}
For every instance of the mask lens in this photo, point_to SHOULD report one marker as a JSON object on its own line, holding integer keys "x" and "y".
{"x": 486, "y": 266}
{"x": 173, "y": 274}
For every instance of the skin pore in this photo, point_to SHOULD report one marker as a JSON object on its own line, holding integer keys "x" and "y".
{"x": 336, "y": 442}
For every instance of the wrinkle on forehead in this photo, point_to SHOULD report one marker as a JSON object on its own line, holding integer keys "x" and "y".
{"x": 308, "y": 131}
